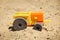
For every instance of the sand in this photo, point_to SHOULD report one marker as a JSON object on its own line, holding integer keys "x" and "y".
{"x": 51, "y": 10}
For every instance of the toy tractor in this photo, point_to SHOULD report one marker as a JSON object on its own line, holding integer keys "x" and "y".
{"x": 30, "y": 19}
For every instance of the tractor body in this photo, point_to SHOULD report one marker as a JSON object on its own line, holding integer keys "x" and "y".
{"x": 31, "y": 17}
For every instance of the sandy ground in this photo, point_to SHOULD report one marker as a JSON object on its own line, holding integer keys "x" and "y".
{"x": 51, "y": 10}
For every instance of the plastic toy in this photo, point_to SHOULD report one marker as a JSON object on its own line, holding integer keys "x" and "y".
{"x": 30, "y": 19}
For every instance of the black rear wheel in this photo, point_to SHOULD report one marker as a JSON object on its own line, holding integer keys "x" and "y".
{"x": 38, "y": 27}
{"x": 19, "y": 24}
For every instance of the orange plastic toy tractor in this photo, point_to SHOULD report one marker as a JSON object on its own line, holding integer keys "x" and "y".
{"x": 24, "y": 19}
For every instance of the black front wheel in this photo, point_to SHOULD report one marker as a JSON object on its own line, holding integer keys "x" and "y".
{"x": 38, "y": 27}
{"x": 19, "y": 24}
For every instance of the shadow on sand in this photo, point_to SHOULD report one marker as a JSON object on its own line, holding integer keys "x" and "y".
{"x": 11, "y": 28}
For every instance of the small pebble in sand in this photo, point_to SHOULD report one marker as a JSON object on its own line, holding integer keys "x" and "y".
{"x": 0, "y": 34}
{"x": 47, "y": 38}
{"x": 45, "y": 28}
{"x": 56, "y": 13}
{"x": 40, "y": 7}
{"x": 34, "y": 37}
